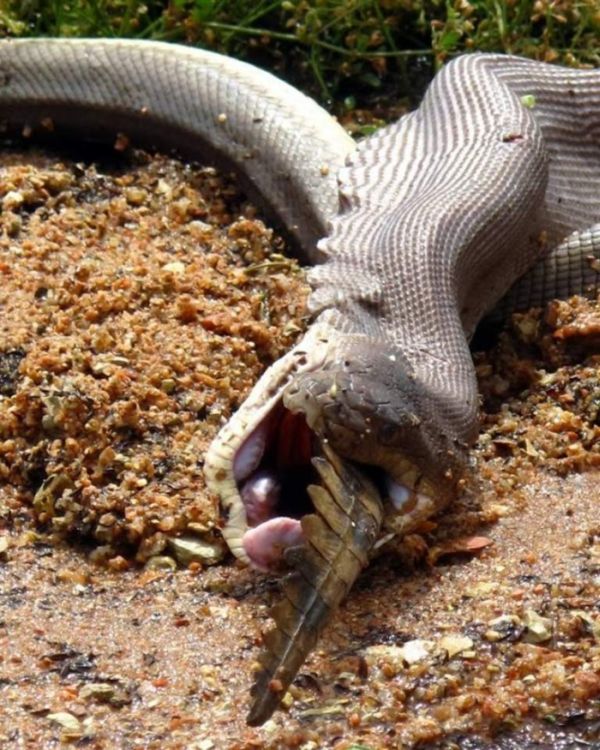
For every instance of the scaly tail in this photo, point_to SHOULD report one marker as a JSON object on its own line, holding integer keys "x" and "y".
{"x": 339, "y": 537}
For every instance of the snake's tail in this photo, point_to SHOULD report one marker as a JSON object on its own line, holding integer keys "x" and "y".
{"x": 338, "y": 538}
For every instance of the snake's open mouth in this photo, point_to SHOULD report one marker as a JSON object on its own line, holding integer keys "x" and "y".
{"x": 261, "y": 464}
{"x": 272, "y": 469}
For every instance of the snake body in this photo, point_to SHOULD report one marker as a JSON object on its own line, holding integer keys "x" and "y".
{"x": 280, "y": 142}
{"x": 425, "y": 226}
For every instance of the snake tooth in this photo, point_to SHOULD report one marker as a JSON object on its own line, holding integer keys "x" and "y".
{"x": 338, "y": 538}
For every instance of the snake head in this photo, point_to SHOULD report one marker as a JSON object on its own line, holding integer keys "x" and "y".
{"x": 367, "y": 402}
{"x": 364, "y": 400}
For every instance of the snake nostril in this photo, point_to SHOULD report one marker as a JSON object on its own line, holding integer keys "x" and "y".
{"x": 387, "y": 432}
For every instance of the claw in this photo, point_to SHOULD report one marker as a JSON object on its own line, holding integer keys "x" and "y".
{"x": 338, "y": 538}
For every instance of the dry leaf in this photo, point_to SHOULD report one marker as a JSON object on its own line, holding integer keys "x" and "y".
{"x": 462, "y": 545}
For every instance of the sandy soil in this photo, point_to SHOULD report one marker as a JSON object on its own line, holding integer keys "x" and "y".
{"x": 483, "y": 631}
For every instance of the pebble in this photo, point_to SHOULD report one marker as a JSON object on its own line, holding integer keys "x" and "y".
{"x": 455, "y": 644}
{"x": 188, "y": 549}
{"x": 101, "y": 691}
{"x": 70, "y": 724}
{"x": 538, "y": 628}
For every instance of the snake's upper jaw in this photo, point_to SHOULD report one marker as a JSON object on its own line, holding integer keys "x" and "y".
{"x": 373, "y": 410}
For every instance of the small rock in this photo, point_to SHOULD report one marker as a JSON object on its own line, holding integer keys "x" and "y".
{"x": 89, "y": 727}
{"x": 455, "y": 644}
{"x": 163, "y": 188}
{"x": 49, "y": 492}
{"x": 188, "y": 549}
{"x": 459, "y": 545}
{"x": 410, "y": 653}
{"x": 135, "y": 196}
{"x": 4, "y": 544}
{"x": 13, "y": 199}
{"x": 175, "y": 267}
{"x": 592, "y": 625}
{"x": 13, "y": 224}
{"x": 168, "y": 385}
{"x": 504, "y": 627}
{"x": 482, "y": 589}
{"x": 161, "y": 562}
{"x": 539, "y": 629}
{"x": 199, "y": 528}
{"x": 390, "y": 654}
{"x": 101, "y": 691}
{"x": 415, "y": 651}
{"x": 287, "y": 700}
{"x": 70, "y": 724}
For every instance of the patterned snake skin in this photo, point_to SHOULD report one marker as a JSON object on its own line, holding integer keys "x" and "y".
{"x": 426, "y": 226}
{"x": 440, "y": 214}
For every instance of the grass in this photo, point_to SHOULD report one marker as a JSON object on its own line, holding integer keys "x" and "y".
{"x": 342, "y": 51}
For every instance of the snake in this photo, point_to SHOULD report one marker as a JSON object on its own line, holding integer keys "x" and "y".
{"x": 484, "y": 197}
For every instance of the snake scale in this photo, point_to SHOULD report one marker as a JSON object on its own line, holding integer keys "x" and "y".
{"x": 363, "y": 429}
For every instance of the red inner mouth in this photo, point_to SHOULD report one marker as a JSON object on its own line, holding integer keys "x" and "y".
{"x": 273, "y": 469}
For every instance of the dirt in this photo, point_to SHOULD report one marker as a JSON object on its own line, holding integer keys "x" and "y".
{"x": 140, "y": 299}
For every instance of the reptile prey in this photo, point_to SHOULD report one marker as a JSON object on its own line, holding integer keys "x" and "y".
{"x": 337, "y": 539}
{"x": 425, "y": 226}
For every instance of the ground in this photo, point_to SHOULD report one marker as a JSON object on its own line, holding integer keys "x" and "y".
{"x": 127, "y": 339}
